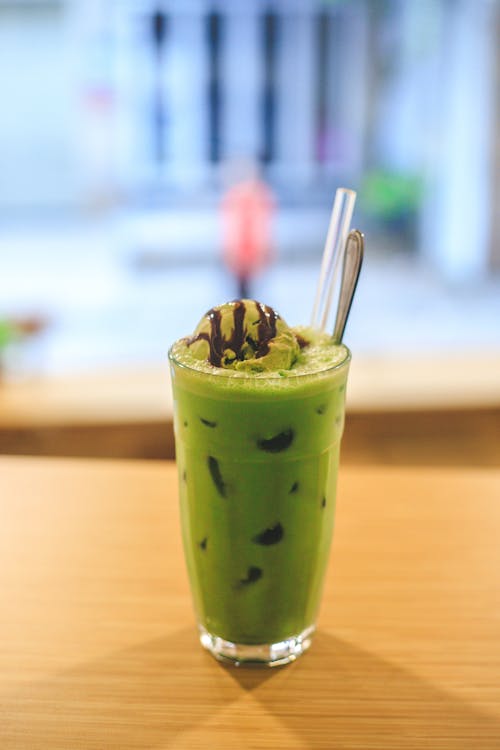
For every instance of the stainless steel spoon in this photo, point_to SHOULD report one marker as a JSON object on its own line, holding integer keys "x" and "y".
{"x": 353, "y": 258}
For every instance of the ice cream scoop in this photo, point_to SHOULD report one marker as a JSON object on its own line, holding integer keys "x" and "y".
{"x": 244, "y": 335}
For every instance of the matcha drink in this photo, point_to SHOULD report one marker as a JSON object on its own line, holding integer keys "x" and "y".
{"x": 259, "y": 414}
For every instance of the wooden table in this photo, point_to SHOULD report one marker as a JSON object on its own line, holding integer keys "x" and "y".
{"x": 98, "y": 648}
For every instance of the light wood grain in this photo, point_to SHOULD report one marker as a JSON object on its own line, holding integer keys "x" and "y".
{"x": 97, "y": 642}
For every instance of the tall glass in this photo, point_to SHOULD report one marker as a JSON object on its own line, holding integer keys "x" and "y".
{"x": 257, "y": 460}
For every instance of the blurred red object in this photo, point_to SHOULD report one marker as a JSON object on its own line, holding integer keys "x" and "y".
{"x": 247, "y": 210}
{"x": 29, "y": 325}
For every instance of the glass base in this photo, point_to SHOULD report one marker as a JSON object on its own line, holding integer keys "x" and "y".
{"x": 257, "y": 654}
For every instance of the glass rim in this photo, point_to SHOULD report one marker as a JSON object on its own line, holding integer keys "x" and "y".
{"x": 227, "y": 374}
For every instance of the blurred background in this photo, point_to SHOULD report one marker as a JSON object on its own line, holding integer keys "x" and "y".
{"x": 131, "y": 133}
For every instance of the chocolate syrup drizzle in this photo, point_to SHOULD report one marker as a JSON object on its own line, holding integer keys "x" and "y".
{"x": 218, "y": 343}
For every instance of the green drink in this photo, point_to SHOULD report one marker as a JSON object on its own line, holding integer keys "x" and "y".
{"x": 259, "y": 414}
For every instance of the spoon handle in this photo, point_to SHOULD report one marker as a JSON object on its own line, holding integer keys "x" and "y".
{"x": 353, "y": 258}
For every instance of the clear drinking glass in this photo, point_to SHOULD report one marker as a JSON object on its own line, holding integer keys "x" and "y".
{"x": 257, "y": 460}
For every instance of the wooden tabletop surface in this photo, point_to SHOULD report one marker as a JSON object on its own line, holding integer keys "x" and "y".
{"x": 98, "y": 648}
